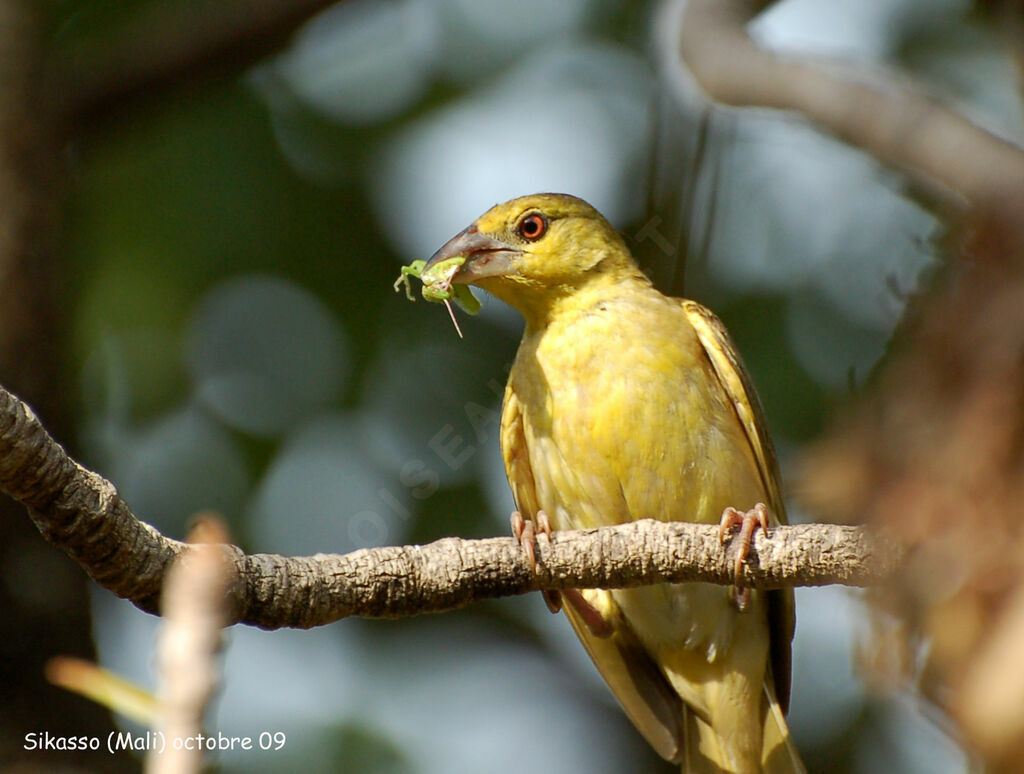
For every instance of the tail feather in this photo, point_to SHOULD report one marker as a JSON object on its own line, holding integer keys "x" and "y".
{"x": 778, "y": 754}
{"x": 705, "y": 752}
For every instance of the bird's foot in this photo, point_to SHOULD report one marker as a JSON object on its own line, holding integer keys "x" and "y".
{"x": 526, "y": 532}
{"x": 748, "y": 522}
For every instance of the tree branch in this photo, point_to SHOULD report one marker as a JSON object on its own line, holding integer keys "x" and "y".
{"x": 82, "y": 513}
{"x": 169, "y": 44}
{"x": 900, "y": 126}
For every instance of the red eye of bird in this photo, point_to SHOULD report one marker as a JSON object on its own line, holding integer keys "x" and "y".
{"x": 533, "y": 226}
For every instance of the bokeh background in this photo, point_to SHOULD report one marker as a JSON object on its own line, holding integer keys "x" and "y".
{"x": 228, "y": 339}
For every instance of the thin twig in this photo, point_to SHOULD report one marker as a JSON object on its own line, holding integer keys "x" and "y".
{"x": 194, "y": 611}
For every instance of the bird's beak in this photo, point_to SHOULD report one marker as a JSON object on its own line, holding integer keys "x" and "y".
{"x": 485, "y": 256}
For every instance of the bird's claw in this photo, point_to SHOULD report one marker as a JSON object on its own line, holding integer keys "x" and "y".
{"x": 747, "y": 522}
{"x": 523, "y": 531}
{"x": 526, "y": 532}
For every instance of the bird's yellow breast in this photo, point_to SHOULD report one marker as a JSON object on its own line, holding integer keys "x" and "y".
{"x": 624, "y": 417}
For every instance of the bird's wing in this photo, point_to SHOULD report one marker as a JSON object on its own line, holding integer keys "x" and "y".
{"x": 647, "y": 697}
{"x": 517, "y": 456}
{"x": 637, "y": 682}
{"x": 734, "y": 378}
{"x": 738, "y": 386}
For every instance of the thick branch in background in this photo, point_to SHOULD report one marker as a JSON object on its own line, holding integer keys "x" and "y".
{"x": 169, "y": 44}
{"x": 897, "y": 124}
{"x": 46, "y": 611}
{"x": 82, "y": 513}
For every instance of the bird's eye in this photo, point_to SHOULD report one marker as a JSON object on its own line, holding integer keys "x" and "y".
{"x": 533, "y": 226}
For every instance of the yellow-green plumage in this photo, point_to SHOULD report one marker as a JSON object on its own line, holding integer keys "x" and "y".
{"x": 626, "y": 404}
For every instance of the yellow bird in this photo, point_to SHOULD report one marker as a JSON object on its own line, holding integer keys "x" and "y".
{"x": 625, "y": 404}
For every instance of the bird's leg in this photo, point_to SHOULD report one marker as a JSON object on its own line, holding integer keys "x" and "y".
{"x": 525, "y": 531}
{"x": 748, "y": 522}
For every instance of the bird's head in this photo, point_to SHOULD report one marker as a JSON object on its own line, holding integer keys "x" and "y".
{"x": 532, "y": 251}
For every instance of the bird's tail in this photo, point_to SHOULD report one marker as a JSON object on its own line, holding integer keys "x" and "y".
{"x": 703, "y": 751}
{"x": 706, "y": 752}
{"x": 778, "y": 753}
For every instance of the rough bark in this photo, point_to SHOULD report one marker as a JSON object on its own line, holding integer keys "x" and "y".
{"x": 82, "y": 513}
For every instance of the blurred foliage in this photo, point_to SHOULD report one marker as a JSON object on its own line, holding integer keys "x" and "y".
{"x": 935, "y": 457}
{"x": 234, "y": 337}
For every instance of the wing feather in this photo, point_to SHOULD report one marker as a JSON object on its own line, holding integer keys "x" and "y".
{"x": 734, "y": 378}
